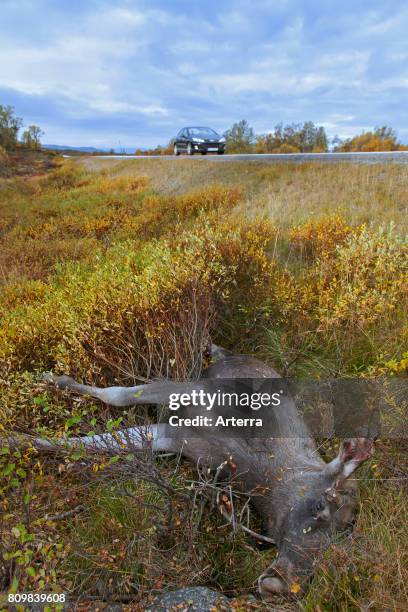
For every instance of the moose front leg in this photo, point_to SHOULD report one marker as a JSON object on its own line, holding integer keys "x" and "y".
{"x": 152, "y": 393}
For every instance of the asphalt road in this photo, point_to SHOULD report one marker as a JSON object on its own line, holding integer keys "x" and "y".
{"x": 361, "y": 158}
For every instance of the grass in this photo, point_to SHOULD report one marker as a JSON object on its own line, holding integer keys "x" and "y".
{"x": 117, "y": 546}
{"x": 285, "y": 193}
{"x": 104, "y": 265}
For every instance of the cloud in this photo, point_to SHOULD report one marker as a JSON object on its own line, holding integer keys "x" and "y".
{"x": 138, "y": 70}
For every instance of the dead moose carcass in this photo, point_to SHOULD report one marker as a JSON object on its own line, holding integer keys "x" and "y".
{"x": 303, "y": 501}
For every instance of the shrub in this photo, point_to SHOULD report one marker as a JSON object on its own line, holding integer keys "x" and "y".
{"x": 120, "y": 317}
{"x": 104, "y": 184}
{"x": 348, "y": 306}
{"x": 367, "y": 281}
{"x": 35, "y": 258}
{"x": 287, "y": 148}
{"x": 170, "y": 214}
{"x": 66, "y": 222}
{"x": 66, "y": 176}
{"x": 320, "y": 238}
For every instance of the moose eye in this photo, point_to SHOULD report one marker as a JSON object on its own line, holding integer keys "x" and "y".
{"x": 319, "y": 509}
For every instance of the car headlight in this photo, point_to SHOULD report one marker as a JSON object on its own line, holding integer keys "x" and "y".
{"x": 198, "y": 140}
{"x": 221, "y": 140}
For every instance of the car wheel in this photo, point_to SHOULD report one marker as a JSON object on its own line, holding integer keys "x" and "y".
{"x": 220, "y": 152}
{"x": 175, "y": 150}
{"x": 190, "y": 149}
{"x": 203, "y": 152}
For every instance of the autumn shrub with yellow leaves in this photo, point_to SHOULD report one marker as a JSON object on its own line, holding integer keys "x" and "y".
{"x": 319, "y": 239}
{"x": 108, "y": 315}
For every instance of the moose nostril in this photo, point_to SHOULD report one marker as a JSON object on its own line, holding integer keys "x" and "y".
{"x": 271, "y": 585}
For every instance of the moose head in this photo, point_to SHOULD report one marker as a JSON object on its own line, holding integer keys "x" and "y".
{"x": 313, "y": 505}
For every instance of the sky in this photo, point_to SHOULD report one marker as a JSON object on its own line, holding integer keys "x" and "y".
{"x": 130, "y": 73}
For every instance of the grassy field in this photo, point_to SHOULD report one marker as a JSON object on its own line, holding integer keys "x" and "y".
{"x": 104, "y": 264}
{"x": 285, "y": 194}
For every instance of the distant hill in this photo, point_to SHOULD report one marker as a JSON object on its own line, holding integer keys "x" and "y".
{"x": 55, "y": 147}
{"x": 70, "y": 148}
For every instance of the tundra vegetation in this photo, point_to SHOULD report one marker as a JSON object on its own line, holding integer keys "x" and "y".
{"x": 119, "y": 272}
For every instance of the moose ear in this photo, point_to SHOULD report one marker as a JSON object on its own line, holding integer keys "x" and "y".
{"x": 352, "y": 453}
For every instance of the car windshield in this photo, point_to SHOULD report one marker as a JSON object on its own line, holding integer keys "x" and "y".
{"x": 202, "y": 132}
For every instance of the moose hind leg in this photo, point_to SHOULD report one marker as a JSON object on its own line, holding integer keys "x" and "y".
{"x": 156, "y": 437}
{"x": 133, "y": 439}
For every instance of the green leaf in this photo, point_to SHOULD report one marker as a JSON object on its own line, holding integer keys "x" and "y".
{"x": 72, "y": 421}
{"x": 113, "y": 424}
{"x": 77, "y": 455}
{"x": 9, "y": 469}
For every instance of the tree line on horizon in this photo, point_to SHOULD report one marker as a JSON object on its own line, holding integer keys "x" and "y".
{"x": 308, "y": 138}
{"x": 304, "y": 137}
{"x": 298, "y": 138}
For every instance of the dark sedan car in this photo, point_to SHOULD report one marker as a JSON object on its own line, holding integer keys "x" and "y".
{"x": 202, "y": 140}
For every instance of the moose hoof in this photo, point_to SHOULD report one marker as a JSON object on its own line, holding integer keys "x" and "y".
{"x": 48, "y": 377}
{"x": 62, "y": 382}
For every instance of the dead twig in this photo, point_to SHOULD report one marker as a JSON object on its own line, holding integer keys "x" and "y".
{"x": 230, "y": 517}
{"x": 209, "y": 490}
{"x": 67, "y": 514}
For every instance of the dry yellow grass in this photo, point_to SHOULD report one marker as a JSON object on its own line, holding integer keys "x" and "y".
{"x": 286, "y": 193}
